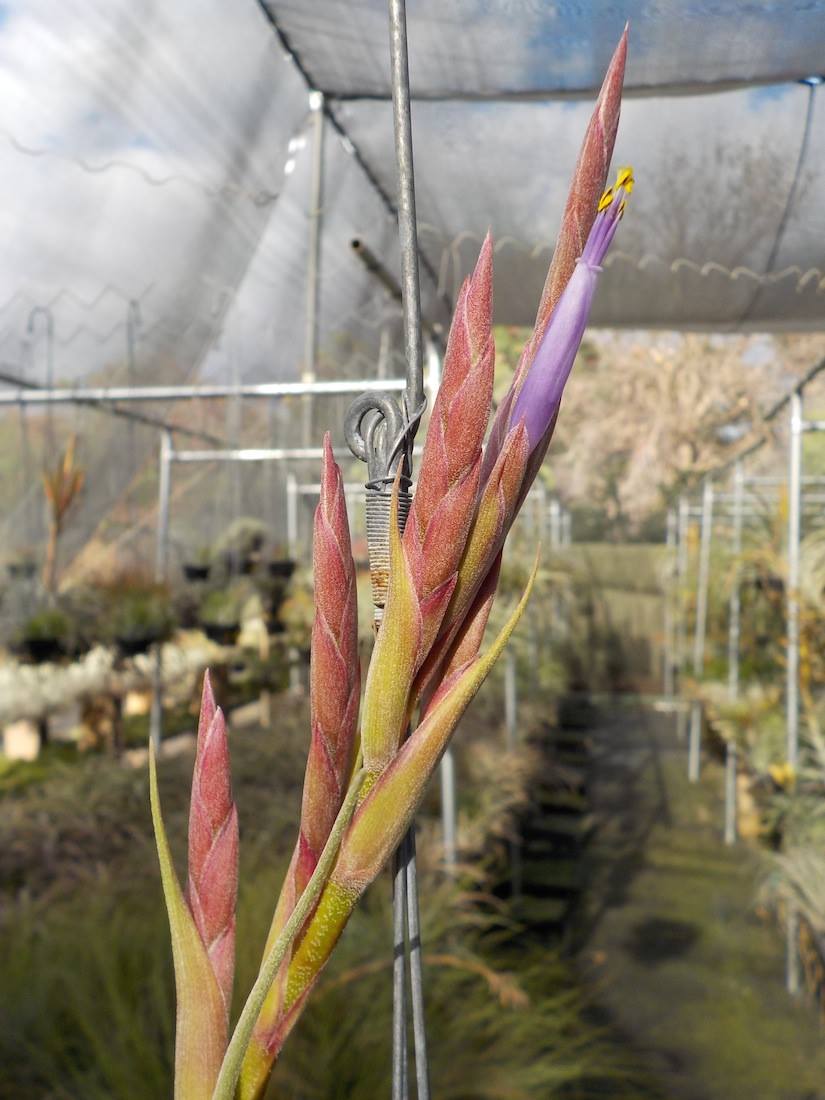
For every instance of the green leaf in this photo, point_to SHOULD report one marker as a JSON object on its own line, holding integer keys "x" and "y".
{"x": 200, "y": 1031}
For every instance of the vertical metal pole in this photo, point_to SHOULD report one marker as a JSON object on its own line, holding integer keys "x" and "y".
{"x": 670, "y": 571}
{"x": 511, "y": 727}
{"x": 384, "y": 348}
{"x": 541, "y": 507}
{"x": 448, "y": 809}
{"x": 407, "y": 229}
{"x": 413, "y": 400}
{"x": 793, "y": 975}
{"x": 292, "y": 542}
{"x": 734, "y": 617}
{"x": 400, "y": 1083}
{"x": 510, "y": 698}
{"x": 161, "y": 566}
{"x": 792, "y": 967}
{"x": 132, "y": 324}
{"x": 316, "y": 199}
{"x": 730, "y": 792}
{"x": 292, "y": 514}
{"x": 734, "y": 606}
{"x": 683, "y": 521}
{"x": 794, "y": 535}
{"x": 46, "y": 313}
{"x": 555, "y": 524}
{"x": 694, "y": 748}
{"x": 447, "y": 767}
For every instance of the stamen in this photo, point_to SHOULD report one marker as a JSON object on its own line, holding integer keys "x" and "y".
{"x": 605, "y": 200}
{"x": 625, "y": 179}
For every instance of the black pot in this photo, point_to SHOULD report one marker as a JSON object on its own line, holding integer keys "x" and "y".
{"x": 222, "y": 633}
{"x": 236, "y": 564}
{"x": 22, "y": 570}
{"x": 129, "y": 645}
{"x": 195, "y": 572}
{"x": 282, "y": 567}
{"x": 41, "y": 650}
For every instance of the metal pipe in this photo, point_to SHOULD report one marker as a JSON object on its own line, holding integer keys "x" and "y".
{"x": 315, "y": 213}
{"x": 793, "y": 976}
{"x": 413, "y": 402}
{"x": 161, "y": 569}
{"x": 422, "y": 1065}
{"x": 252, "y": 454}
{"x": 694, "y": 748}
{"x": 292, "y": 514}
{"x": 682, "y": 524}
{"x": 541, "y": 511}
{"x": 510, "y": 698}
{"x": 376, "y": 268}
{"x": 400, "y": 1085}
{"x": 555, "y": 524}
{"x": 209, "y": 391}
{"x": 407, "y": 229}
{"x": 734, "y": 604}
{"x": 449, "y": 812}
{"x": 113, "y": 410}
{"x": 794, "y": 534}
{"x": 448, "y": 809}
{"x": 730, "y": 792}
{"x": 792, "y": 969}
{"x": 511, "y": 728}
{"x": 46, "y": 313}
{"x": 379, "y": 271}
{"x": 132, "y": 323}
{"x": 668, "y": 662}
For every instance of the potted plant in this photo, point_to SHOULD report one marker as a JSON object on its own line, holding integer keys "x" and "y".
{"x": 221, "y": 613}
{"x": 140, "y": 615}
{"x": 45, "y": 636}
{"x": 241, "y": 545}
{"x": 199, "y": 566}
{"x": 23, "y": 568}
{"x": 281, "y": 564}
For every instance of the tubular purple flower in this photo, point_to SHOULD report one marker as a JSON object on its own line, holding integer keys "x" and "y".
{"x": 540, "y": 395}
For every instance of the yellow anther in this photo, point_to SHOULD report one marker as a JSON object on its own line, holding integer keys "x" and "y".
{"x": 605, "y": 200}
{"x": 625, "y": 179}
{"x": 622, "y": 206}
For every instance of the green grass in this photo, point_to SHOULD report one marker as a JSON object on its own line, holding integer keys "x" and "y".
{"x": 87, "y": 1011}
{"x": 86, "y": 998}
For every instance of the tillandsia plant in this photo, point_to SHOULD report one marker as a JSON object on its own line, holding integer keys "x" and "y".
{"x": 364, "y": 784}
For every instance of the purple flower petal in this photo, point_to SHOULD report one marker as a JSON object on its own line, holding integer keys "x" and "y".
{"x": 540, "y": 395}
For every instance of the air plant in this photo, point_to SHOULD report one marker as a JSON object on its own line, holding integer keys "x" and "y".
{"x": 62, "y": 485}
{"x": 363, "y": 785}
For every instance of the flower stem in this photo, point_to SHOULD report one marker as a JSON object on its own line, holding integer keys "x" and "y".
{"x": 231, "y": 1065}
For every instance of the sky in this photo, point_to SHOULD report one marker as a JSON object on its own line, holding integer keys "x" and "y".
{"x": 158, "y": 152}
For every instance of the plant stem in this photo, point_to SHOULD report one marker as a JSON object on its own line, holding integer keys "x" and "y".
{"x": 231, "y": 1065}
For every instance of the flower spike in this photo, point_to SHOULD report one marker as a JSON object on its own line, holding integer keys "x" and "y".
{"x": 335, "y": 684}
{"x": 202, "y": 922}
{"x": 212, "y": 887}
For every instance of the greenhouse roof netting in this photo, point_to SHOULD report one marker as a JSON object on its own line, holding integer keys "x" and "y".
{"x": 158, "y": 158}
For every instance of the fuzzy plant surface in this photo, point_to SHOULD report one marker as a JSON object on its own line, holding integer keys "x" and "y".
{"x": 365, "y": 778}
